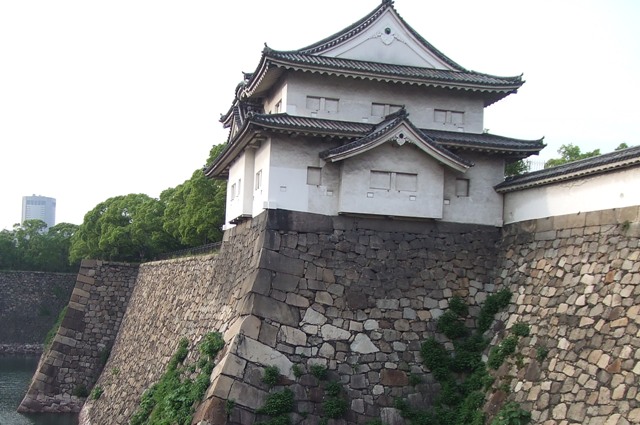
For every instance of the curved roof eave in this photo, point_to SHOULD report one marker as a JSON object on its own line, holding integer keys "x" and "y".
{"x": 493, "y": 87}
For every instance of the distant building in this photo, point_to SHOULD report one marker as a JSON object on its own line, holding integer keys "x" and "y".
{"x": 39, "y": 208}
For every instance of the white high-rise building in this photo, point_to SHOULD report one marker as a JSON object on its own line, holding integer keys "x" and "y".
{"x": 39, "y": 208}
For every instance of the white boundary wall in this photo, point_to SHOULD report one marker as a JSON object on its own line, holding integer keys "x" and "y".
{"x": 616, "y": 189}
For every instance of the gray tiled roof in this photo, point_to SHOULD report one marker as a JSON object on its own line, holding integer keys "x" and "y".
{"x": 484, "y": 141}
{"x": 595, "y": 165}
{"x": 354, "y": 132}
{"x": 324, "y": 126}
{"x": 449, "y": 139}
{"x": 417, "y": 74}
{"x": 391, "y": 122}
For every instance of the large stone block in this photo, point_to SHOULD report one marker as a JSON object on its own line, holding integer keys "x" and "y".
{"x": 270, "y": 308}
{"x": 294, "y": 221}
{"x": 277, "y": 262}
{"x": 257, "y": 352}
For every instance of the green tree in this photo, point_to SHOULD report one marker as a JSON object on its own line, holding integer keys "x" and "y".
{"x": 621, "y": 146}
{"x": 570, "y": 153}
{"x": 516, "y": 168}
{"x": 123, "y": 228}
{"x": 195, "y": 209}
{"x": 8, "y": 251}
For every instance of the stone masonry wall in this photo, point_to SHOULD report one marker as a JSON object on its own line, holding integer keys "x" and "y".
{"x": 576, "y": 280}
{"x": 85, "y": 337}
{"x": 357, "y": 296}
{"x": 29, "y": 306}
{"x": 175, "y": 299}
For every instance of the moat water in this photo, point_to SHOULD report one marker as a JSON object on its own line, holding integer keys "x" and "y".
{"x": 15, "y": 374}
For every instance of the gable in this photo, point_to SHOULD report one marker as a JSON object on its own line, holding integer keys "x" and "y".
{"x": 387, "y": 40}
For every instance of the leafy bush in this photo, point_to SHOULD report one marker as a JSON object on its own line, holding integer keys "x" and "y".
{"x": 296, "y": 370}
{"x": 334, "y": 407}
{"x": 81, "y": 391}
{"x": 319, "y": 371}
{"x": 492, "y": 305}
{"x": 452, "y": 325}
{"x": 512, "y": 414}
{"x": 541, "y": 353}
{"x": 278, "y": 403}
{"x": 172, "y": 399}
{"x": 520, "y": 329}
{"x": 498, "y": 354}
{"x": 271, "y": 375}
{"x": 96, "y": 392}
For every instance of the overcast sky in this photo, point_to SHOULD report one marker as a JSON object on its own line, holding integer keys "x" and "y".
{"x": 99, "y": 99}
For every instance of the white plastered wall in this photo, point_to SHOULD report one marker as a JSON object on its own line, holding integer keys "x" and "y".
{"x": 615, "y": 189}
{"x": 484, "y": 204}
{"x": 356, "y": 98}
{"x": 358, "y": 196}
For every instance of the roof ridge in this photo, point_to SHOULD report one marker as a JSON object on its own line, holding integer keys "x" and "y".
{"x": 363, "y": 23}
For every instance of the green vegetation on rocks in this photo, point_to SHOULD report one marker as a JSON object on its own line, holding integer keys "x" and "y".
{"x": 173, "y": 398}
{"x": 463, "y": 376}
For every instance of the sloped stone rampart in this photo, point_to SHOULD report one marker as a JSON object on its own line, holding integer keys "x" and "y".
{"x": 576, "y": 281}
{"x": 175, "y": 299}
{"x": 83, "y": 341}
{"x": 357, "y": 296}
{"x": 29, "y": 306}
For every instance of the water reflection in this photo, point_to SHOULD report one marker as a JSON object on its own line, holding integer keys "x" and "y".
{"x": 15, "y": 375}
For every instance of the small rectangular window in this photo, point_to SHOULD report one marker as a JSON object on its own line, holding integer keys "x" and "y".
{"x": 407, "y": 182}
{"x": 377, "y": 109}
{"x": 457, "y": 117}
{"x": 278, "y": 107}
{"x": 380, "y": 180}
{"x": 314, "y": 176}
{"x": 331, "y": 105}
{"x": 440, "y": 116}
{"x": 462, "y": 187}
{"x": 313, "y": 103}
{"x": 233, "y": 191}
{"x": 258, "y": 180}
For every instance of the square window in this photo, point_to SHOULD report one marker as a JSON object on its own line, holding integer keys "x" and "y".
{"x": 407, "y": 182}
{"x": 377, "y": 110}
{"x": 457, "y": 117}
{"x": 331, "y": 105}
{"x": 462, "y": 187}
{"x": 314, "y": 176}
{"x": 313, "y": 103}
{"x": 440, "y": 116}
{"x": 380, "y": 180}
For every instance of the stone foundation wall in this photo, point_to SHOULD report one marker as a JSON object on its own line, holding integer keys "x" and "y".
{"x": 29, "y": 306}
{"x": 85, "y": 337}
{"x": 576, "y": 280}
{"x": 356, "y": 296}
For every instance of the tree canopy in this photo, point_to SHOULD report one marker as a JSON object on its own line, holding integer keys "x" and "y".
{"x": 136, "y": 227}
{"x": 31, "y": 246}
{"x": 570, "y": 153}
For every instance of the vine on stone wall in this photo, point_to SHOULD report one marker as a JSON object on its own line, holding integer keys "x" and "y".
{"x": 463, "y": 376}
